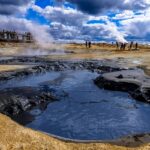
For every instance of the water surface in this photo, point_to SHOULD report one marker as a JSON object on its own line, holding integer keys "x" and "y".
{"x": 84, "y": 111}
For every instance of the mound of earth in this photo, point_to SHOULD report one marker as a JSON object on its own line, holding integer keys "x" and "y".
{"x": 134, "y": 82}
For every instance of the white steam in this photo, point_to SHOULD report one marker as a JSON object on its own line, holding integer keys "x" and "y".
{"x": 117, "y": 35}
{"x": 40, "y": 33}
{"x": 42, "y": 36}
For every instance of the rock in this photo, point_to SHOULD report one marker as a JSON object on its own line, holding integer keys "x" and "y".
{"x": 120, "y": 76}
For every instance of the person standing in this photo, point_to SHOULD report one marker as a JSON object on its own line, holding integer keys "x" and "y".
{"x": 131, "y": 45}
{"x": 86, "y": 44}
{"x": 122, "y": 46}
{"x": 90, "y": 44}
{"x": 136, "y": 46}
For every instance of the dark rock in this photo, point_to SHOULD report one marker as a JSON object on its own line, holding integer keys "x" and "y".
{"x": 120, "y": 76}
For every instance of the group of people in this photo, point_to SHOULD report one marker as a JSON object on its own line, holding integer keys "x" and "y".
{"x": 122, "y": 46}
{"x": 88, "y": 44}
{"x": 119, "y": 45}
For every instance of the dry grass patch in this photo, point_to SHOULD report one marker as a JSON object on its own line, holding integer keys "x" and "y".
{"x": 16, "y": 137}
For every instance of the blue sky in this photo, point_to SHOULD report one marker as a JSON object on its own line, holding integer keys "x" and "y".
{"x": 105, "y": 20}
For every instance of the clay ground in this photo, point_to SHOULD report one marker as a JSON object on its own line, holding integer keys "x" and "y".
{"x": 128, "y": 58}
{"x": 14, "y": 136}
{"x": 109, "y": 52}
{"x": 12, "y": 67}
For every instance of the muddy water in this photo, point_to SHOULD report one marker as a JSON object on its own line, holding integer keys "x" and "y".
{"x": 83, "y": 111}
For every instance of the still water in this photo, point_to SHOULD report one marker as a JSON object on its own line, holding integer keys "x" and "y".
{"x": 84, "y": 111}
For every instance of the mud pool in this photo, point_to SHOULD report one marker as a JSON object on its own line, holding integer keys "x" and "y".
{"x": 84, "y": 111}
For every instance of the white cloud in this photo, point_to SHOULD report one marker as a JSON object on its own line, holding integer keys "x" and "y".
{"x": 60, "y": 31}
{"x": 103, "y": 18}
{"x": 68, "y": 23}
{"x": 13, "y": 7}
{"x": 138, "y": 26}
{"x": 67, "y": 16}
{"x": 126, "y": 14}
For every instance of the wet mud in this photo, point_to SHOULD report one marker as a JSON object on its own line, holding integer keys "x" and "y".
{"x": 135, "y": 82}
{"x": 69, "y": 91}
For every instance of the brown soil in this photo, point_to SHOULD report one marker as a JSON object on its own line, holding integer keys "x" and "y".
{"x": 12, "y": 67}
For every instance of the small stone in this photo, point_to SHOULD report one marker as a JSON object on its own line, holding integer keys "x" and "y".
{"x": 120, "y": 76}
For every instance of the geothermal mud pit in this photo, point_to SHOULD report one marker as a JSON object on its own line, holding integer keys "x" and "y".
{"x": 61, "y": 98}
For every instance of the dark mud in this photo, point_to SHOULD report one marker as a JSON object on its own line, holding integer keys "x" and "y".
{"x": 85, "y": 112}
{"x": 16, "y": 100}
{"x": 80, "y": 110}
{"x": 15, "y": 103}
{"x": 42, "y": 65}
{"x": 135, "y": 82}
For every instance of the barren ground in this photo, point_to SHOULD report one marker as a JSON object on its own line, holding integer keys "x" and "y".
{"x": 12, "y": 67}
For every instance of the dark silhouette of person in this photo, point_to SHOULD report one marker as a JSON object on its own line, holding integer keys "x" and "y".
{"x": 117, "y": 44}
{"x": 90, "y": 44}
{"x": 131, "y": 45}
{"x": 136, "y": 46}
{"x": 122, "y": 46}
{"x": 86, "y": 44}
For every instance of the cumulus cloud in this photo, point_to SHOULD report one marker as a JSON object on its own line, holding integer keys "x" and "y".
{"x": 87, "y": 21}
{"x": 61, "y": 31}
{"x": 108, "y": 31}
{"x": 138, "y": 27}
{"x": 97, "y": 6}
{"x": 67, "y": 16}
{"x": 126, "y": 14}
{"x": 9, "y": 7}
{"x": 73, "y": 24}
